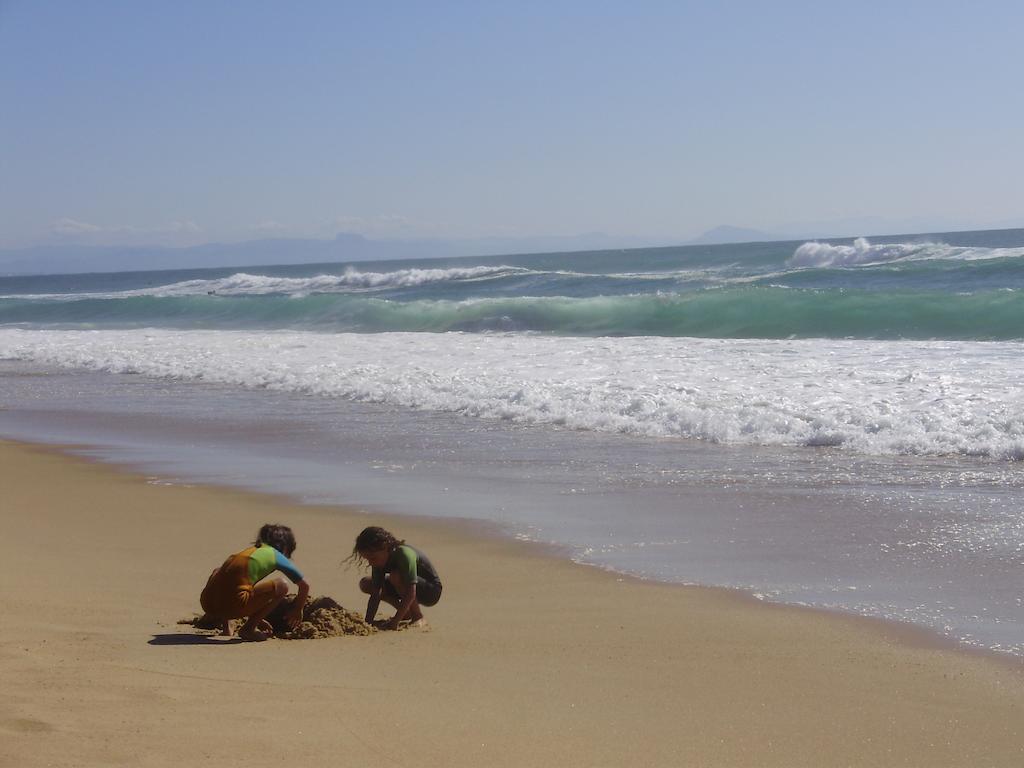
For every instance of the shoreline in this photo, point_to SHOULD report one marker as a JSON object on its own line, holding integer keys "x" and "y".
{"x": 530, "y": 659}
{"x": 910, "y": 633}
{"x": 913, "y": 634}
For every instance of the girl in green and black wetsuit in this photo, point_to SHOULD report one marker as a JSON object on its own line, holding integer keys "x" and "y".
{"x": 400, "y": 575}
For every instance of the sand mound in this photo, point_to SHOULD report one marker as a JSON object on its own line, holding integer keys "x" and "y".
{"x": 321, "y": 617}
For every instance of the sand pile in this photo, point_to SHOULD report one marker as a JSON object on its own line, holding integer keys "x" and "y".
{"x": 321, "y": 617}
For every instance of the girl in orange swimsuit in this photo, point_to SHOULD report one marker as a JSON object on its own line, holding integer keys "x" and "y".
{"x": 240, "y": 587}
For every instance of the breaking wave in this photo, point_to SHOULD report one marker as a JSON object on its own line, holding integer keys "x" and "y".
{"x": 745, "y": 312}
{"x": 862, "y": 252}
{"x": 873, "y": 397}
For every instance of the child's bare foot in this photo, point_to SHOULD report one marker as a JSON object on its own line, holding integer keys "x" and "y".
{"x": 252, "y": 635}
{"x": 226, "y": 630}
{"x": 256, "y": 631}
{"x": 420, "y": 623}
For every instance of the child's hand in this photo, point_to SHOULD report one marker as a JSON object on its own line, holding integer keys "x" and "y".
{"x": 294, "y": 616}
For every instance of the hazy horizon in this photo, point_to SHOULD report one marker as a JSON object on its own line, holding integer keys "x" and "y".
{"x": 202, "y": 124}
{"x": 348, "y": 248}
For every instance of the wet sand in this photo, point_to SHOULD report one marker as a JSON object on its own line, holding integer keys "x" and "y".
{"x": 529, "y": 660}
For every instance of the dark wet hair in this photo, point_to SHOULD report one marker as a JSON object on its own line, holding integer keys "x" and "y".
{"x": 373, "y": 537}
{"x": 280, "y": 537}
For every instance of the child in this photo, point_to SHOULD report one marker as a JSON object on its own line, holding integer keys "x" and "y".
{"x": 239, "y": 588}
{"x": 400, "y": 575}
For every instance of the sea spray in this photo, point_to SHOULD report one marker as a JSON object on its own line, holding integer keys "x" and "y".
{"x": 871, "y": 397}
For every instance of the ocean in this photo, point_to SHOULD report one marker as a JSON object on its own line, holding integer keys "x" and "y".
{"x": 836, "y": 424}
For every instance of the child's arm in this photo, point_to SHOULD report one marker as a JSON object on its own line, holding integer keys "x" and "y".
{"x": 289, "y": 569}
{"x": 294, "y": 616}
{"x": 373, "y": 603}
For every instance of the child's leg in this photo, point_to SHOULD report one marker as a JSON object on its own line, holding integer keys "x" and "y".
{"x": 225, "y": 624}
{"x": 398, "y": 587}
{"x": 266, "y": 594}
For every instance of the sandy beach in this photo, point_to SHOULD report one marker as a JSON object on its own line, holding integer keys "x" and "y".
{"x": 529, "y": 660}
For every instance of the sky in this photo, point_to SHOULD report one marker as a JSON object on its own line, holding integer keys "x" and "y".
{"x": 190, "y": 122}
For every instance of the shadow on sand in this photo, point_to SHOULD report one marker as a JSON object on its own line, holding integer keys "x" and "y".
{"x": 187, "y": 638}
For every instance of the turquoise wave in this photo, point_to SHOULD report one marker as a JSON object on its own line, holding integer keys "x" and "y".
{"x": 748, "y": 312}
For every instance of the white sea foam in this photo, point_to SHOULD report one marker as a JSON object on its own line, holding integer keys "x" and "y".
{"x": 815, "y": 254}
{"x": 927, "y": 398}
{"x": 862, "y": 252}
{"x": 354, "y": 281}
{"x": 244, "y": 284}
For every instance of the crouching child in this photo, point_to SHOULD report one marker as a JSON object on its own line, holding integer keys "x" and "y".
{"x": 242, "y": 588}
{"x": 400, "y": 575}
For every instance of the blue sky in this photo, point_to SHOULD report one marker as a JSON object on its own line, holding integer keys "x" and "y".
{"x": 195, "y": 121}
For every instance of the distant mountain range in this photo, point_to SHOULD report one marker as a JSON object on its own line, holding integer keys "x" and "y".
{"x": 345, "y": 247}
{"x": 348, "y": 247}
{"x": 728, "y": 234}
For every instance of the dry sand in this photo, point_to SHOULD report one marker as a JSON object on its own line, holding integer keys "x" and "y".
{"x": 529, "y": 660}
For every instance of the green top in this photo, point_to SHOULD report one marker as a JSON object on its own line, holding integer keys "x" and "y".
{"x": 410, "y": 564}
{"x": 264, "y": 560}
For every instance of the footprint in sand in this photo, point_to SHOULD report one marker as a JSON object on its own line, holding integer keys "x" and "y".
{"x": 26, "y": 725}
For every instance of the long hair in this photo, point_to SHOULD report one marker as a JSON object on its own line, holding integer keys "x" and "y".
{"x": 373, "y": 537}
{"x": 280, "y": 537}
